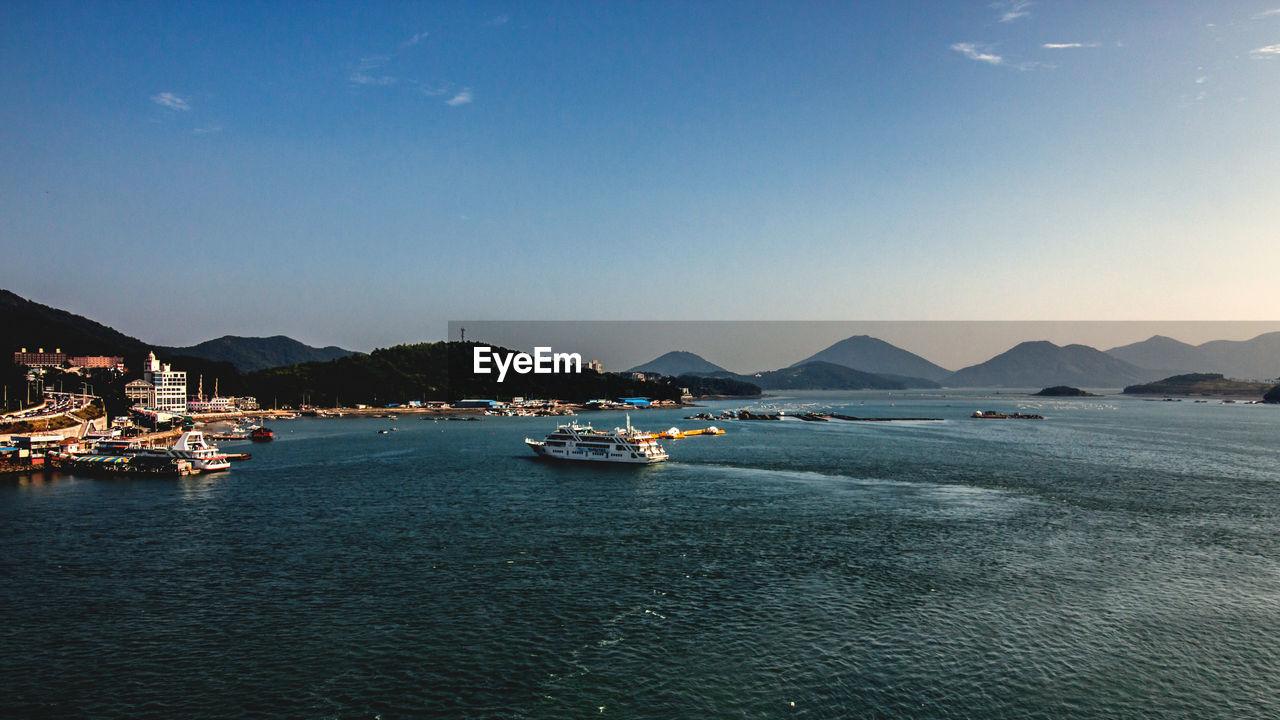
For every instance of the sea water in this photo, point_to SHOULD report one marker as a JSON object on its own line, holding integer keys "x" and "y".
{"x": 1120, "y": 558}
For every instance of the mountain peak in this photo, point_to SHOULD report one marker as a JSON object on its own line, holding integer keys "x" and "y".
{"x": 1040, "y": 363}
{"x": 258, "y": 353}
{"x": 679, "y": 362}
{"x": 872, "y": 355}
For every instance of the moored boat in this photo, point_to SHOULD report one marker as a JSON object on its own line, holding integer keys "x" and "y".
{"x": 585, "y": 443}
{"x": 190, "y": 447}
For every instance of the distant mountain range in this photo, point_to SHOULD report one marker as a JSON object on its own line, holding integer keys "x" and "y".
{"x": 873, "y": 355}
{"x": 1258, "y": 358}
{"x": 259, "y": 353}
{"x": 1042, "y": 364}
{"x": 806, "y": 375}
{"x": 24, "y": 323}
{"x": 821, "y": 375}
{"x": 857, "y": 362}
{"x": 1029, "y": 364}
{"x": 680, "y": 362}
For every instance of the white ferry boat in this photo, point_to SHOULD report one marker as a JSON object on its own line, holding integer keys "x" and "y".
{"x": 582, "y": 442}
{"x": 192, "y": 447}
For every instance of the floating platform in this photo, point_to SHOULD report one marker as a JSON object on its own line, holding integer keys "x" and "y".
{"x": 851, "y": 418}
{"x": 993, "y": 415}
{"x": 677, "y": 433}
{"x": 120, "y": 464}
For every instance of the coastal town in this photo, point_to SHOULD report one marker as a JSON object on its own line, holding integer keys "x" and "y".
{"x": 56, "y": 428}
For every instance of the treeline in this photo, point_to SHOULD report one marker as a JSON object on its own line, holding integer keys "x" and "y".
{"x": 700, "y": 385}
{"x": 422, "y": 371}
{"x": 434, "y": 371}
{"x": 1198, "y": 384}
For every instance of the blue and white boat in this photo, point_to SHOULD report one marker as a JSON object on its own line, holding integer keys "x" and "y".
{"x": 585, "y": 443}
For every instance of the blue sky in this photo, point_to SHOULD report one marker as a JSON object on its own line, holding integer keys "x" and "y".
{"x": 359, "y": 175}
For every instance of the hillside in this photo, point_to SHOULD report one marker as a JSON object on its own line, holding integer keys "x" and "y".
{"x": 821, "y": 375}
{"x": 1257, "y": 358}
{"x": 248, "y": 354}
{"x": 427, "y": 371}
{"x": 1161, "y": 352}
{"x": 872, "y": 355}
{"x": 705, "y": 385}
{"x": 1064, "y": 391}
{"x": 1043, "y": 364}
{"x": 24, "y": 323}
{"x": 1199, "y": 384}
{"x": 679, "y": 362}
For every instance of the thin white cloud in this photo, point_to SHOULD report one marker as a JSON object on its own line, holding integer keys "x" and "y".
{"x": 1270, "y": 51}
{"x": 171, "y": 101}
{"x": 462, "y": 98}
{"x": 362, "y": 74}
{"x": 1065, "y": 46}
{"x": 415, "y": 39}
{"x": 972, "y": 52}
{"x": 1011, "y": 10}
{"x": 1267, "y": 13}
{"x": 502, "y": 19}
{"x": 359, "y": 78}
{"x": 432, "y": 90}
{"x": 207, "y": 130}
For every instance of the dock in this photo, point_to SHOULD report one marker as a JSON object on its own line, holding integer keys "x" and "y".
{"x": 119, "y": 464}
{"x": 851, "y": 418}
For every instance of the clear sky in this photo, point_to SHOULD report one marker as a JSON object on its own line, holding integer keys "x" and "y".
{"x": 359, "y": 174}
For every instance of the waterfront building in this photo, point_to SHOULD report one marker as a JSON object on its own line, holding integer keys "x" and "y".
{"x": 170, "y": 385}
{"x": 482, "y": 404}
{"x": 141, "y": 393}
{"x": 212, "y": 405}
{"x": 40, "y": 358}
{"x": 36, "y": 445}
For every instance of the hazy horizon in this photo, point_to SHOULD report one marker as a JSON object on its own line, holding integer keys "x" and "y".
{"x": 752, "y": 346}
{"x": 747, "y": 346}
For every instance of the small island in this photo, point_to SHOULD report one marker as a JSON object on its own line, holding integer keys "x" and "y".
{"x": 1273, "y": 396}
{"x": 1064, "y": 391}
{"x": 1214, "y": 384}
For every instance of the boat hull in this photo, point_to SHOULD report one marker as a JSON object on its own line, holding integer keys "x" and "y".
{"x": 578, "y": 455}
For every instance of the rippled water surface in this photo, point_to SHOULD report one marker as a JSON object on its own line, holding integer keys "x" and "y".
{"x": 1120, "y": 558}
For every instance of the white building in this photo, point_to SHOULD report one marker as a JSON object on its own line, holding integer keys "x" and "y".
{"x": 170, "y": 385}
{"x": 212, "y": 405}
{"x": 141, "y": 393}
